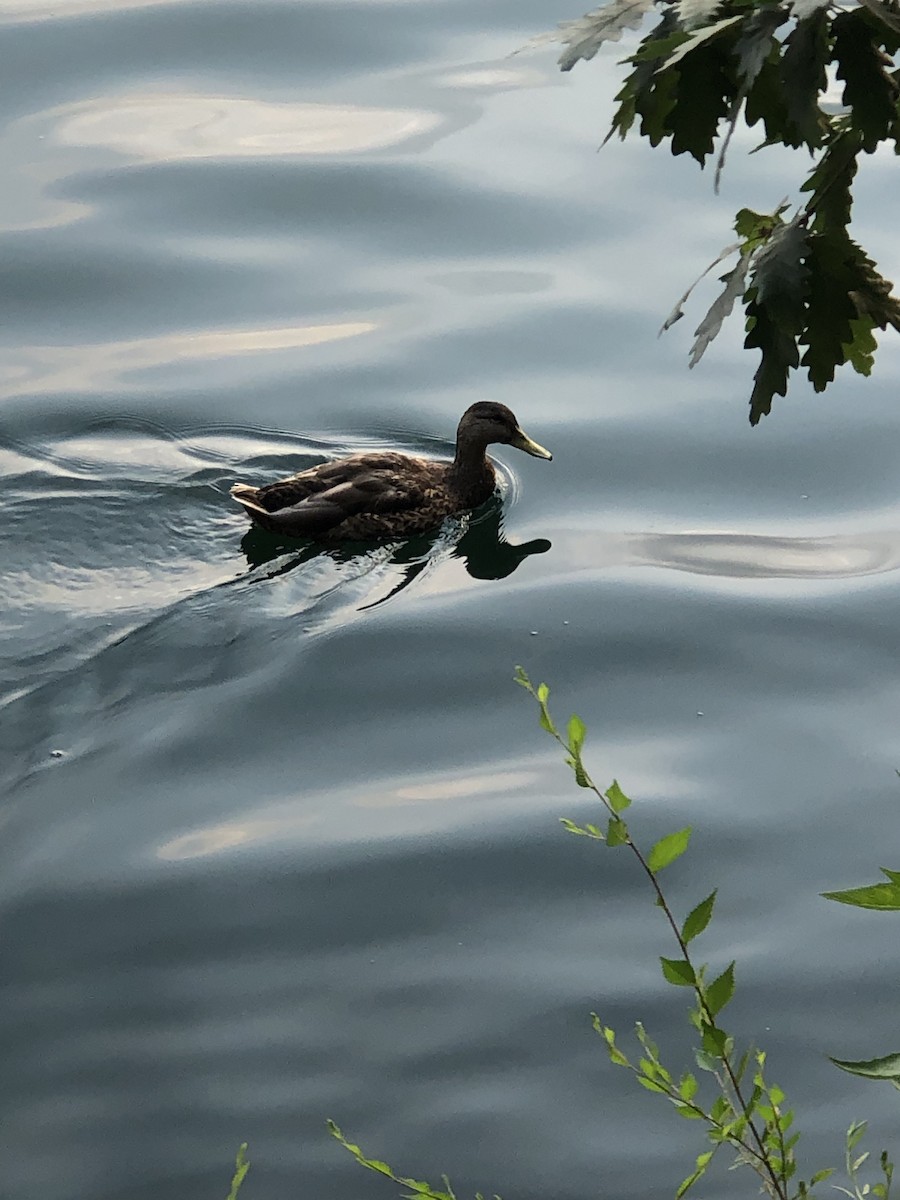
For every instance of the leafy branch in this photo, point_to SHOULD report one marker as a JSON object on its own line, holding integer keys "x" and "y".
{"x": 748, "y": 1113}
{"x": 753, "y": 1123}
{"x": 812, "y": 297}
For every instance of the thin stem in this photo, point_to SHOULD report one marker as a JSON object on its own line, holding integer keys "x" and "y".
{"x": 759, "y": 1152}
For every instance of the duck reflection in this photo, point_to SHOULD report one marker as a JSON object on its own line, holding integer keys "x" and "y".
{"x": 483, "y": 547}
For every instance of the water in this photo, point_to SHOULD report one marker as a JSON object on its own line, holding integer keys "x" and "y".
{"x": 280, "y": 835}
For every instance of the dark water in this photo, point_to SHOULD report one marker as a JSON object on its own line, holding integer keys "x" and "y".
{"x": 280, "y": 835}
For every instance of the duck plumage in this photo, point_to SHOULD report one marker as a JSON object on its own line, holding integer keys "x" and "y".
{"x": 387, "y": 493}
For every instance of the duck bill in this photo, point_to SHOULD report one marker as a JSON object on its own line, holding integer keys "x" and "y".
{"x": 522, "y": 441}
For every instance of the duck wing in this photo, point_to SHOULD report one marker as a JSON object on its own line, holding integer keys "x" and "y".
{"x": 321, "y": 498}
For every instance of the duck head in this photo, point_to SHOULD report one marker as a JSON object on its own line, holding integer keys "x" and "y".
{"x": 486, "y": 423}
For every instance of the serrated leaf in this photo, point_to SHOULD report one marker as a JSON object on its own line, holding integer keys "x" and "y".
{"x": 754, "y": 46}
{"x": 709, "y": 1063}
{"x": 720, "y": 1106}
{"x": 766, "y": 102}
{"x": 830, "y": 310}
{"x": 780, "y": 274}
{"x": 800, "y": 9}
{"x": 584, "y": 36}
{"x": 618, "y": 801}
{"x": 755, "y": 42}
{"x": 678, "y": 311}
{"x": 693, "y": 13}
{"x": 687, "y": 1088}
{"x": 616, "y": 832}
{"x": 703, "y": 97}
{"x": 886, "y": 1067}
{"x": 700, "y": 38}
{"x": 720, "y": 990}
{"x": 869, "y": 90}
{"x": 714, "y": 1041}
{"x": 776, "y": 312}
{"x": 872, "y": 295}
{"x": 678, "y": 971}
{"x": 887, "y": 11}
{"x": 753, "y": 226}
{"x": 698, "y": 918}
{"x": 708, "y": 329}
{"x": 860, "y": 350}
{"x": 884, "y": 897}
{"x": 667, "y": 849}
{"x": 803, "y": 79}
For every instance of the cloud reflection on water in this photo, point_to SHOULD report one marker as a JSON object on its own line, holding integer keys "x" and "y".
{"x": 167, "y": 127}
{"x": 37, "y": 369}
{"x": 736, "y": 555}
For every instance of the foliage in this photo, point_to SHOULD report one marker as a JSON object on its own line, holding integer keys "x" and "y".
{"x": 812, "y": 297}
{"x": 731, "y": 1096}
{"x": 884, "y": 897}
{"x": 241, "y": 1167}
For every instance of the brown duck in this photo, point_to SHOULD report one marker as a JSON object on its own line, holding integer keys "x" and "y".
{"x": 388, "y": 494}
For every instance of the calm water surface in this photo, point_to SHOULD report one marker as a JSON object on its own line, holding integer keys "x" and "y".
{"x": 280, "y": 835}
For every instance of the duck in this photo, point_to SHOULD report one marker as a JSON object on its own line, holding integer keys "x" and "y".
{"x": 388, "y": 493}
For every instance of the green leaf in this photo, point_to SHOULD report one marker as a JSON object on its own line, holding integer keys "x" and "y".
{"x": 831, "y": 311}
{"x": 646, "y": 93}
{"x": 803, "y": 78}
{"x": 887, "y": 11}
{"x": 576, "y": 731}
{"x": 616, "y": 832}
{"x": 884, "y": 897}
{"x": 887, "y": 1067}
{"x": 755, "y": 49}
{"x": 714, "y": 1041}
{"x": 688, "y": 1111}
{"x": 720, "y": 990}
{"x": 702, "y": 1163}
{"x": 829, "y": 185}
{"x": 860, "y": 350}
{"x": 703, "y": 98}
{"x": 780, "y": 275}
{"x": 618, "y": 801}
{"x": 570, "y": 827}
{"x": 708, "y": 329}
{"x": 821, "y": 1176}
{"x": 543, "y": 694}
{"x": 667, "y": 849}
{"x": 750, "y": 225}
{"x": 650, "y": 1084}
{"x": 687, "y": 1088}
{"x": 869, "y": 89}
{"x": 701, "y": 38}
{"x": 776, "y": 312}
{"x": 720, "y": 1107}
{"x": 698, "y": 918}
{"x": 678, "y": 971}
{"x": 241, "y": 1167}
{"x": 584, "y": 36}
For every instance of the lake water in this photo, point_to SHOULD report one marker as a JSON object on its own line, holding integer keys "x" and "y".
{"x": 280, "y": 836}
